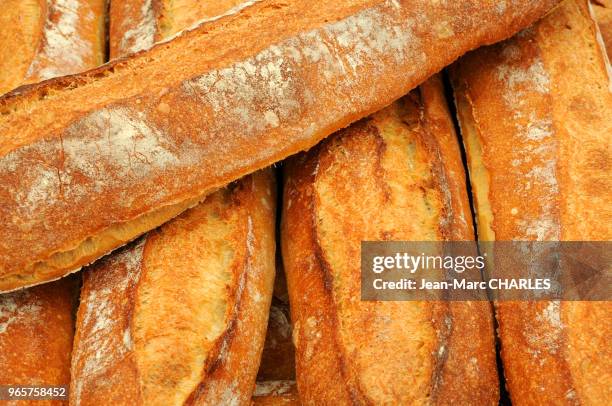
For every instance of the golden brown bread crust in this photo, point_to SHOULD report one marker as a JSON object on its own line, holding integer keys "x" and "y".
{"x": 536, "y": 119}
{"x": 179, "y": 317}
{"x": 137, "y": 24}
{"x": 603, "y": 14}
{"x": 132, "y": 26}
{"x": 36, "y": 331}
{"x": 214, "y": 229}
{"x": 80, "y": 156}
{"x": 359, "y": 185}
{"x": 41, "y": 39}
{"x": 37, "y": 324}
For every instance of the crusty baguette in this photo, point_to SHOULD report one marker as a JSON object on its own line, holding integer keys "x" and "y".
{"x": 276, "y": 393}
{"x": 137, "y": 24}
{"x": 179, "y": 316}
{"x": 36, "y": 331}
{"x": 91, "y": 161}
{"x": 536, "y": 119}
{"x": 603, "y": 14}
{"x": 396, "y": 175}
{"x": 41, "y": 39}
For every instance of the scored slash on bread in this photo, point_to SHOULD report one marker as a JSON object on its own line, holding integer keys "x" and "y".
{"x": 396, "y": 175}
{"x": 91, "y": 161}
{"x": 185, "y": 308}
{"x": 139, "y": 24}
{"x": 603, "y": 14}
{"x": 41, "y": 39}
{"x": 179, "y": 316}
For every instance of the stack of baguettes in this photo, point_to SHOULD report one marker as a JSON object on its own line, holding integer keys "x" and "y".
{"x": 179, "y": 315}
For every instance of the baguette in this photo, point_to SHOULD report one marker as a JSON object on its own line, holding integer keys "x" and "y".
{"x": 41, "y": 39}
{"x": 91, "y": 161}
{"x": 179, "y": 316}
{"x": 360, "y": 185}
{"x": 536, "y": 120}
{"x": 36, "y": 331}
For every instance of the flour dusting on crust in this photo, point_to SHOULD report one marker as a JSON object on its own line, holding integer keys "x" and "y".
{"x": 63, "y": 49}
{"x": 142, "y": 36}
{"x": 132, "y": 146}
{"x": 18, "y": 307}
{"x": 105, "y": 337}
{"x": 131, "y": 150}
{"x": 273, "y": 388}
{"x": 259, "y": 92}
{"x": 533, "y": 76}
{"x": 535, "y": 158}
{"x": 548, "y": 335}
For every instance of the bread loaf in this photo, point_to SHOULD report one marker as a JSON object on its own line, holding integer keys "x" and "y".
{"x": 396, "y": 175}
{"x": 536, "y": 120}
{"x": 41, "y": 39}
{"x": 603, "y": 14}
{"x": 36, "y": 331}
{"x": 91, "y": 161}
{"x": 179, "y": 316}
